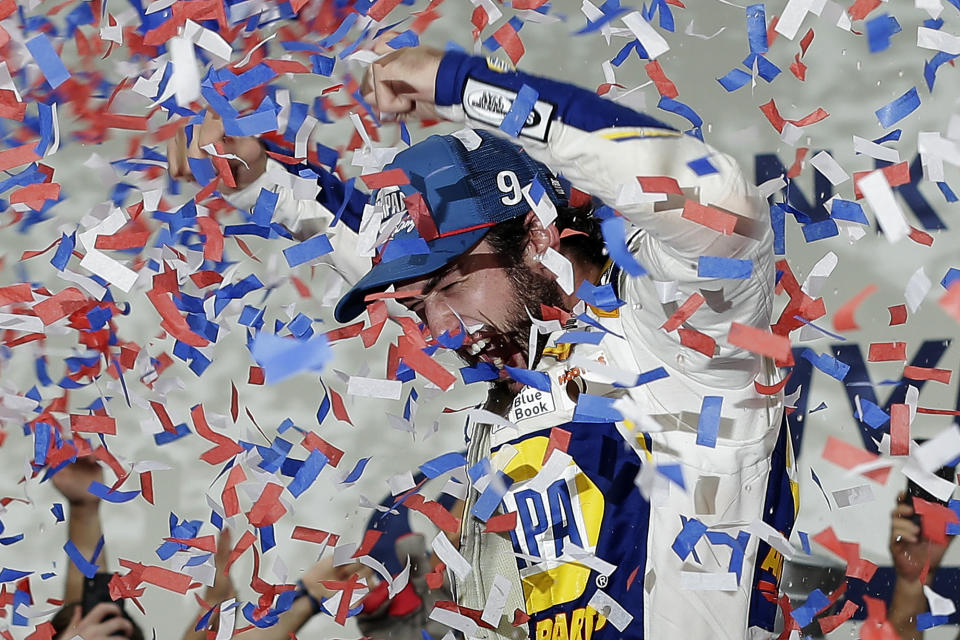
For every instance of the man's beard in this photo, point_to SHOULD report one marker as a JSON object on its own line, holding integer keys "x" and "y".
{"x": 504, "y": 343}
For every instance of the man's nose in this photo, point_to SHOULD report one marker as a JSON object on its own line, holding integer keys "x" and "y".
{"x": 440, "y": 318}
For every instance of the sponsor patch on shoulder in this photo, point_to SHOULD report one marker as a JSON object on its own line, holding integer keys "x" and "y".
{"x": 489, "y": 103}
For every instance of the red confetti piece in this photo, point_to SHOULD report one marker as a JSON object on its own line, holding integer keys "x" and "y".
{"x": 887, "y": 352}
{"x": 664, "y": 85}
{"x": 163, "y": 416}
{"x": 312, "y": 441}
{"x": 424, "y": 365}
{"x": 843, "y": 318}
{"x": 773, "y": 115}
{"x": 896, "y": 175}
{"x": 830, "y": 623}
{"x": 797, "y": 165}
{"x": 36, "y": 193}
{"x": 698, "y": 341}
{"x": 339, "y": 410}
{"x": 204, "y": 543}
{"x": 899, "y": 429}
{"x": 268, "y": 508}
{"x": 927, "y": 373}
{"x": 128, "y": 240}
{"x": 255, "y": 376}
{"x": 244, "y": 543}
{"x": 17, "y": 156}
{"x": 509, "y": 39}
{"x": 501, "y": 523}
{"x": 759, "y": 341}
{"x": 683, "y": 314}
{"x": 316, "y": 536}
{"x": 213, "y": 238}
{"x": 435, "y": 577}
{"x": 898, "y": 314}
{"x": 848, "y": 456}
{"x": 60, "y": 305}
{"x": 769, "y": 390}
{"x": 173, "y": 322}
{"x": 382, "y": 8}
{"x": 559, "y": 441}
{"x": 225, "y": 447}
{"x": 159, "y": 576}
{"x": 862, "y": 8}
{"x": 443, "y": 519}
{"x": 146, "y": 486}
{"x": 710, "y": 217}
{"x": 342, "y": 333}
{"x": 950, "y": 301}
{"x": 93, "y": 424}
{"x": 15, "y": 293}
{"x": 370, "y": 538}
{"x": 921, "y": 237}
{"x": 934, "y": 519}
{"x": 388, "y": 178}
{"x": 660, "y": 184}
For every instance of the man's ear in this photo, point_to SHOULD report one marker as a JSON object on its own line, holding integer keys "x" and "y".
{"x": 541, "y": 238}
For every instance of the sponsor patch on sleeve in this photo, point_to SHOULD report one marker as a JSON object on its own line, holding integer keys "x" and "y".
{"x": 489, "y": 103}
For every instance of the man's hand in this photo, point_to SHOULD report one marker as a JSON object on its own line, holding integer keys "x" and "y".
{"x": 74, "y": 480}
{"x": 104, "y": 622}
{"x": 911, "y": 552}
{"x": 249, "y": 164}
{"x": 403, "y": 82}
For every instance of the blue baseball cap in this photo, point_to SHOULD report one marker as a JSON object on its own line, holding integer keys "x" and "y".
{"x": 458, "y": 190}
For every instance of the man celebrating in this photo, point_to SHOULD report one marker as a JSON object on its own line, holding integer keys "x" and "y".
{"x": 640, "y": 459}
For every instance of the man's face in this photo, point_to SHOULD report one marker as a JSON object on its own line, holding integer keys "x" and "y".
{"x": 488, "y": 295}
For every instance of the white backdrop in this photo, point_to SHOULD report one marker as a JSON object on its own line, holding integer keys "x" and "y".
{"x": 843, "y": 77}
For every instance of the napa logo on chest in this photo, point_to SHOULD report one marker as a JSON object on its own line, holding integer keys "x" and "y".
{"x": 553, "y": 513}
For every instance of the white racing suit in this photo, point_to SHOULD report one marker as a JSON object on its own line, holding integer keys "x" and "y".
{"x": 635, "y": 530}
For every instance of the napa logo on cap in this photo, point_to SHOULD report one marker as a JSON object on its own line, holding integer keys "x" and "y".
{"x": 395, "y": 217}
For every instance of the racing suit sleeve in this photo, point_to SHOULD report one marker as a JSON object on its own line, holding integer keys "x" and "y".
{"x": 602, "y": 148}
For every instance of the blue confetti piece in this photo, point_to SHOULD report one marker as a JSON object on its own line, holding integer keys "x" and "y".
{"x": 947, "y": 192}
{"x": 519, "y": 112}
{"x": 57, "y": 511}
{"x": 490, "y": 499}
{"x": 952, "y": 275}
{"x": 323, "y": 65}
{"x": 9, "y": 575}
{"x": 816, "y": 601}
{"x": 592, "y": 408}
{"x": 879, "y": 31}
{"x": 719, "y": 267}
{"x": 679, "y": 108}
{"x": 42, "y": 435}
{"x": 282, "y": 358}
{"x": 442, "y": 464}
{"x": 688, "y": 537}
{"x": 481, "y": 372}
{"x": 404, "y": 133}
{"x": 402, "y": 246}
{"x": 357, "y": 471}
{"x": 765, "y": 69}
{"x": 847, "y": 210}
{"x": 480, "y": 469}
{"x": 757, "y": 28}
{"x": 87, "y": 568}
{"x": 650, "y": 376}
{"x": 804, "y": 542}
{"x": 581, "y": 337}
{"x": 165, "y": 437}
{"x": 702, "y": 166}
{"x": 931, "y": 67}
{"x": 673, "y": 473}
{"x": 536, "y": 379}
{"x": 264, "y": 208}
{"x": 709, "y": 422}
{"x": 602, "y": 297}
{"x": 408, "y": 38}
{"x": 267, "y": 539}
{"x": 778, "y": 222}
{"x": 873, "y": 415}
{"x": 202, "y": 169}
{"x": 46, "y": 57}
{"x": 895, "y": 111}
{"x": 927, "y": 620}
{"x": 308, "y": 250}
{"x": 820, "y": 230}
{"x": 614, "y": 231}
{"x": 827, "y": 364}
{"x": 308, "y": 473}
{"x": 103, "y": 492}
{"x": 45, "y": 112}
{"x": 624, "y": 53}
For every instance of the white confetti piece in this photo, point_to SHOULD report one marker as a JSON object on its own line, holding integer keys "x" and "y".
{"x": 186, "y": 77}
{"x": 653, "y": 43}
{"x": 375, "y": 388}
{"x": 401, "y": 482}
{"x": 772, "y": 537}
{"x": 878, "y": 194}
{"x": 450, "y": 556}
{"x": 939, "y": 605}
{"x": 793, "y": 15}
{"x": 853, "y": 496}
{"x": 696, "y": 581}
{"x": 874, "y": 150}
{"x": 560, "y": 266}
{"x": 917, "y": 288}
{"x": 606, "y": 606}
{"x": 455, "y": 620}
{"x": 825, "y": 164}
{"x": 938, "y": 40}
{"x": 496, "y": 600}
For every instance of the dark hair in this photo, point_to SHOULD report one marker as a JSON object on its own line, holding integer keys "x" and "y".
{"x": 61, "y": 621}
{"x": 509, "y": 238}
